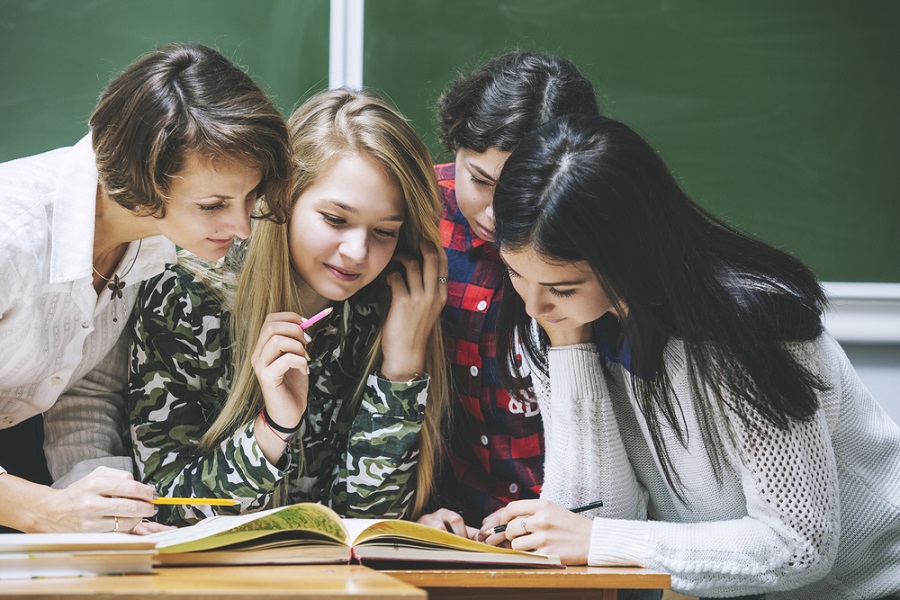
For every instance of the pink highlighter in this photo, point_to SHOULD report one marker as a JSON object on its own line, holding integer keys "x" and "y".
{"x": 316, "y": 318}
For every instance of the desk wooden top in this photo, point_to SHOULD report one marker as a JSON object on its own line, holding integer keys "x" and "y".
{"x": 339, "y": 581}
{"x": 222, "y": 583}
{"x": 570, "y": 578}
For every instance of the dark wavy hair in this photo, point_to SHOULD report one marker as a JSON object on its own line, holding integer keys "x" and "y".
{"x": 509, "y": 96}
{"x": 180, "y": 99}
{"x": 588, "y": 188}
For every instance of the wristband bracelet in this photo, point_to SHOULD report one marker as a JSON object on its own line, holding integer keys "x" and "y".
{"x": 287, "y": 440}
{"x": 275, "y": 426}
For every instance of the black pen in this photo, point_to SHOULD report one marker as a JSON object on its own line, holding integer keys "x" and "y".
{"x": 591, "y": 506}
{"x": 577, "y": 509}
{"x": 447, "y": 525}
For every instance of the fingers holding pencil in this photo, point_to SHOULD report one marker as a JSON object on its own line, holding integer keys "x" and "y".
{"x": 281, "y": 364}
{"x": 543, "y": 527}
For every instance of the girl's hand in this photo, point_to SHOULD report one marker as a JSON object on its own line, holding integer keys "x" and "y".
{"x": 566, "y": 334}
{"x": 544, "y": 527}
{"x": 104, "y": 500}
{"x": 282, "y": 368}
{"x": 449, "y": 520}
{"x": 416, "y": 303}
{"x": 486, "y": 533}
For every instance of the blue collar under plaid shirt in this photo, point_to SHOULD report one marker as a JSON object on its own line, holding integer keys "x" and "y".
{"x": 497, "y": 452}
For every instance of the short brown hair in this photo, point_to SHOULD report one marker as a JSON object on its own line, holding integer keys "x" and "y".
{"x": 180, "y": 99}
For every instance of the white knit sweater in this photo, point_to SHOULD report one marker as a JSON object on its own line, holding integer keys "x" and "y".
{"x": 815, "y": 510}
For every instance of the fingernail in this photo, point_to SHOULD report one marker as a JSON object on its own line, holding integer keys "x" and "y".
{"x": 155, "y": 494}
{"x": 307, "y": 337}
{"x": 155, "y": 510}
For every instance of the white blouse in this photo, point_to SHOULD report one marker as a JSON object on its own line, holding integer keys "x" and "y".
{"x": 54, "y": 328}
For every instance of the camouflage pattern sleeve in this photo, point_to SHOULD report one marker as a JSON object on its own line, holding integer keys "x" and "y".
{"x": 378, "y": 476}
{"x": 180, "y": 371}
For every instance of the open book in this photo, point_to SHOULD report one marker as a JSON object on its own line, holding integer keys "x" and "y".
{"x": 38, "y": 555}
{"x": 312, "y": 533}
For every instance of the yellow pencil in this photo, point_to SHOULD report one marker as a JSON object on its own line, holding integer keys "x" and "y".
{"x": 193, "y": 501}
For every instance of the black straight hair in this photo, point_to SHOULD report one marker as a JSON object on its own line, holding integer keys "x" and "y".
{"x": 589, "y": 188}
{"x": 509, "y": 96}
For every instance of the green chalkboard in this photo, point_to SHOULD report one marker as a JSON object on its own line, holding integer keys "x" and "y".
{"x": 782, "y": 117}
{"x": 57, "y": 55}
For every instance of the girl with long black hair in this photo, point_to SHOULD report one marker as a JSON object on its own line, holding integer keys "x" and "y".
{"x": 682, "y": 363}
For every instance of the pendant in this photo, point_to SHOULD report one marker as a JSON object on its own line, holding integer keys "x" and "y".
{"x": 116, "y": 286}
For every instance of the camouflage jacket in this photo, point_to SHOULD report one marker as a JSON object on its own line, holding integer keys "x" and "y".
{"x": 361, "y": 463}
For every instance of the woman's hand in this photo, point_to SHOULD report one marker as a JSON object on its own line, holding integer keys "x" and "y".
{"x": 104, "y": 500}
{"x": 541, "y": 526}
{"x": 416, "y": 303}
{"x": 282, "y": 368}
{"x": 449, "y": 520}
{"x": 146, "y": 527}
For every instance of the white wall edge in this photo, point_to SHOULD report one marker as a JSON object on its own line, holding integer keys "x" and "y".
{"x": 863, "y": 313}
{"x": 345, "y": 43}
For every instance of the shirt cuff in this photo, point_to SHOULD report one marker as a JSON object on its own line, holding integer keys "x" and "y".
{"x": 260, "y": 473}
{"x": 619, "y": 543}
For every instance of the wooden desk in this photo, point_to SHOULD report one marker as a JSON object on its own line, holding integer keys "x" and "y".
{"x": 222, "y": 583}
{"x": 597, "y": 583}
{"x": 342, "y": 581}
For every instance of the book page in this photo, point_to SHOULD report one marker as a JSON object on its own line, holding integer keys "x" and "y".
{"x": 224, "y": 530}
{"x": 355, "y": 527}
{"x": 364, "y": 531}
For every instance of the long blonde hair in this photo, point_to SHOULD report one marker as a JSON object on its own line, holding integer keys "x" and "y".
{"x": 330, "y": 124}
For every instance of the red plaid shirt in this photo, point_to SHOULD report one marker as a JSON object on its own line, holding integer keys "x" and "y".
{"x": 497, "y": 452}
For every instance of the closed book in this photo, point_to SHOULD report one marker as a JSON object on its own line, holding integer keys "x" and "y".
{"x": 38, "y": 555}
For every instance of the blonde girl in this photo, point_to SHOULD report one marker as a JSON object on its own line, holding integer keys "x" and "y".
{"x": 346, "y": 412}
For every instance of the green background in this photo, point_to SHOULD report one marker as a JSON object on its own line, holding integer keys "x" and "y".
{"x": 779, "y": 116}
{"x": 56, "y": 56}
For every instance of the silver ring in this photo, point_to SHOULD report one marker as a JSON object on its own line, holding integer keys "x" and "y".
{"x": 116, "y": 528}
{"x": 442, "y": 280}
{"x": 524, "y": 528}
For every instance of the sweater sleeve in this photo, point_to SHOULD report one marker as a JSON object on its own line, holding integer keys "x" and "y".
{"x": 86, "y": 427}
{"x": 585, "y": 459}
{"x": 378, "y": 475}
{"x": 178, "y": 382}
{"x": 788, "y": 536}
